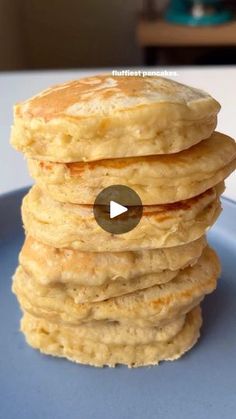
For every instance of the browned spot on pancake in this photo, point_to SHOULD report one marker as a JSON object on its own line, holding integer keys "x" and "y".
{"x": 76, "y": 169}
{"x": 184, "y": 294}
{"x": 157, "y": 210}
{"x": 163, "y": 300}
{"x": 107, "y": 94}
{"x": 103, "y": 125}
{"x": 46, "y": 165}
{"x": 127, "y": 161}
{"x": 160, "y": 211}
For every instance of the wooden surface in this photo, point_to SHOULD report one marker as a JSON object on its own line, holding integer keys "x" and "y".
{"x": 161, "y": 33}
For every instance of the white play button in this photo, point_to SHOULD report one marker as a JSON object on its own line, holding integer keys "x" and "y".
{"x": 116, "y": 209}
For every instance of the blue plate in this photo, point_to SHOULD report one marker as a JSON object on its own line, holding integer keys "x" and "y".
{"x": 200, "y": 385}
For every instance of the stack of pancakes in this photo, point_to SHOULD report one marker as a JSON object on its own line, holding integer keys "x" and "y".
{"x": 100, "y": 298}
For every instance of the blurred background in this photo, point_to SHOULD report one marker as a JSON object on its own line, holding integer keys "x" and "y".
{"x": 64, "y": 34}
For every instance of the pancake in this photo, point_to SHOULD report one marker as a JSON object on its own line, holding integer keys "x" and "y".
{"x": 117, "y": 334}
{"x": 92, "y": 293}
{"x": 152, "y": 306}
{"x": 159, "y": 179}
{"x": 74, "y": 226}
{"x": 109, "y": 117}
{"x": 84, "y": 294}
{"x": 62, "y": 341}
{"x": 48, "y": 265}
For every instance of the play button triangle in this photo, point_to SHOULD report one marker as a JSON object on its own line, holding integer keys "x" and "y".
{"x": 116, "y": 209}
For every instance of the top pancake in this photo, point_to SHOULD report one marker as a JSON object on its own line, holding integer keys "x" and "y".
{"x": 109, "y": 117}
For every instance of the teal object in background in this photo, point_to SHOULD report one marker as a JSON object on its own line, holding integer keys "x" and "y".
{"x": 197, "y": 13}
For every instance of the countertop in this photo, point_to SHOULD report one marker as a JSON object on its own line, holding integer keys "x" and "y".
{"x": 16, "y": 86}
